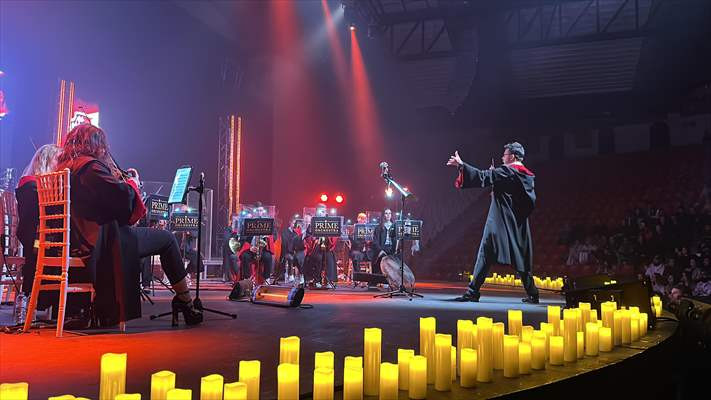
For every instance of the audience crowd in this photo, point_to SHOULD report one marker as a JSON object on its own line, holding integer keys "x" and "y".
{"x": 672, "y": 250}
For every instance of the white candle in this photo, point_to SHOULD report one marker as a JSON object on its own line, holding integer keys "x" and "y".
{"x": 249, "y": 373}
{"x": 538, "y": 351}
{"x": 580, "y": 341}
{"x": 287, "y": 381}
{"x": 289, "y": 350}
{"x": 570, "y": 338}
{"x": 403, "y": 362}
{"x": 515, "y": 322}
{"x": 592, "y": 345}
{"x": 388, "y": 381}
{"x": 17, "y": 390}
{"x": 235, "y": 391}
{"x": 524, "y": 358}
{"x": 556, "y": 350}
{"x": 626, "y": 327}
{"x": 113, "y": 375}
{"x": 554, "y": 319}
{"x": 323, "y": 383}
{"x": 511, "y": 356}
{"x": 371, "y": 358}
{"x": 428, "y": 327}
{"x": 497, "y": 335}
{"x": 484, "y": 350}
{"x": 469, "y": 367}
{"x": 605, "y": 338}
{"x": 443, "y": 362}
{"x": 323, "y": 359}
{"x": 464, "y": 338}
{"x": 418, "y": 378}
{"x": 211, "y": 387}
{"x": 161, "y": 382}
{"x": 353, "y": 382}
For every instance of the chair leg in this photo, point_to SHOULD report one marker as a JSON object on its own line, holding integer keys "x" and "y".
{"x": 34, "y": 295}
{"x": 62, "y": 304}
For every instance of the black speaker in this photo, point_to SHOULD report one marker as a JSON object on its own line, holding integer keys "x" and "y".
{"x": 372, "y": 279}
{"x": 597, "y": 289}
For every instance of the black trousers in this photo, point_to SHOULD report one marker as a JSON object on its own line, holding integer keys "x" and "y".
{"x": 161, "y": 243}
{"x": 357, "y": 257}
{"x": 485, "y": 258}
{"x": 289, "y": 261}
{"x": 315, "y": 266}
{"x": 248, "y": 258}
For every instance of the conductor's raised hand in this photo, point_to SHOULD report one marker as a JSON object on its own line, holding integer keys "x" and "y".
{"x": 455, "y": 160}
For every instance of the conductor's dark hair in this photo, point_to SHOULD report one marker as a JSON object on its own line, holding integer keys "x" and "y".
{"x": 516, "y": 149}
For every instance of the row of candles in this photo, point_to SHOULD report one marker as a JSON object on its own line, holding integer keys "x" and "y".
{"x": 511, "y": 280}
{"x": 480, "y": 348}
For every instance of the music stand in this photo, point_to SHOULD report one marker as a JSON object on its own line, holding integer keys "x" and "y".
{"x": 326, "y": 227}
{"x": 179, "y": 194}
{"x": 404, "y": 194}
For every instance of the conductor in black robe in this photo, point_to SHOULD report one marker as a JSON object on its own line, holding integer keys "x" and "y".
{"x": 507, "y": 235}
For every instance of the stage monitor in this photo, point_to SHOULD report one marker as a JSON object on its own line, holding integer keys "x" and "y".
{"x": 179, "y": 191}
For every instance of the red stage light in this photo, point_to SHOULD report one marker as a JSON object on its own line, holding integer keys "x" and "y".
{"x": 339, "y": 199}
{"x": 324, "y": 197}
{"x": 352, "y": 27}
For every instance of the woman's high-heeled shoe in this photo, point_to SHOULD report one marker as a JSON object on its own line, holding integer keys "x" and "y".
{"x": 191, "y": 315}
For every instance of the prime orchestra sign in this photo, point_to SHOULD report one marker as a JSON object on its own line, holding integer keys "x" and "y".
{"x": 258, "y": 226}
{"x": 326, "y": 226}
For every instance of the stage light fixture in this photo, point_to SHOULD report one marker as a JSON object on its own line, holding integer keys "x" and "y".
{"x": 389, "y": 192}
{"x": 352, "y": 27}
{"x": 339, "y": 199}
{"x": 333, "y": 211}
{"x": 324, "y": 197}
{"x": 277, "y": 296}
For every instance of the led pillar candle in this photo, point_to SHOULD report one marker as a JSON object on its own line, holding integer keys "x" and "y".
{"x": 548, "y": 330}
{"x": 592, "y": 342}
{"x": 453, "y": 361}
{"x": 323, "y": 384}
{"x": 570, "y": 337}
{"x": 605, "y": 338}
{"x": 17, "y": 391}
{"x": 580, "y": 341}
{"x": 643, "y": 321}
{"x": 538, "y": 351}
{"x": 130, "y": 396}
{"x": 287, "y": 381}
{"x": 626, "y": 327}
{"x": 289, "y": 350}
{"x": 634, "y": 325}
{"x": 524, "y": 358}
{"x": 593, "y": 315}
{"x": 511, "y": 356}
{"x": 388, "y": 381}
{"x": 371, "y": 358}
{"x": 617, "y": 328}
{"x": 464, "y": 338}
{"x": 403, "y": 363}
{"x": 113, "y": 375}
{"x": 323, "y": 359}
{"x": 497, "y": 337}
{"x": 554, "y": 319}
{"x": 353, "y": 382}
{"x": 443, "y": 362}
{"x": 180, "y": 394}
{"x": 235, "y": 391}
{"x": 211, "y": 387}
{"x": 161, "y": 382}
{"x": 62, "y": 397}
{"x": 249, "y": 374}
{"x": 526, "y": 333}
{"x": 515, "y": 322}
{"x": 474, "y": 333}
{"x": 556, "y": 350}
{"x": 578, "y": 319}
{"x": 353, "y": 362}
{"x": 428, "y": 327}
{"x": 418, "y": 378}
{"x": 485, "y": 349}
{"x": 585, "y": 313}
{"x": 468, "y": 368}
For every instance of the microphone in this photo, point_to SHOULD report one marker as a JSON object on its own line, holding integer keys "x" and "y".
{"x": 384, "y": 168}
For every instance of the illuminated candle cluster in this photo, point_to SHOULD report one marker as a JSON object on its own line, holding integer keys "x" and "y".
{"x": 547, "y": 283}
{"x": 481, "y": 347}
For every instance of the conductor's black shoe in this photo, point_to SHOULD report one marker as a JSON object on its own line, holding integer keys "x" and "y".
{"x": 467, "y": 297}
{"x": 530, "y": 300}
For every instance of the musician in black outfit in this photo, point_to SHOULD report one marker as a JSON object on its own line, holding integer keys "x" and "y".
{"x": 320, "y": 252}
{"x": 359, "y": 248}
{"x": 384, "y": 240}
{"x": 249, "y": 257}
{"x": 292, "y": 251}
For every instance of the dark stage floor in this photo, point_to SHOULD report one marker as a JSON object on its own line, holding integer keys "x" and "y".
{"x": 335, "y": 323}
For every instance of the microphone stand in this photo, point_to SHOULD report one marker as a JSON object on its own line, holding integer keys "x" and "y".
{"x": 197, "y": 303}
{"x": 404, "y": 194}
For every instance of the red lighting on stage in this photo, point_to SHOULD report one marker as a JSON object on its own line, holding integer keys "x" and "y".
{"x": 324, "y": 197}
{"x": 366, "y": 124}
{"x": 339, "y": 199}
{"x": 352, "y": 27}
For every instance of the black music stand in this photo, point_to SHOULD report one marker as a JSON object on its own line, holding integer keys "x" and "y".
{"x": 404, "y": 194}
{"x": 197, "y": 303}
{"x": 326, "y": 232}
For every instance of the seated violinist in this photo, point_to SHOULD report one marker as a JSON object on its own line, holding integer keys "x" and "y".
{"x": 320, "y": 259}
{"x": 105, "y": 204}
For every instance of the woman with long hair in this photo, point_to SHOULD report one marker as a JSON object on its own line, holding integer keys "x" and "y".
{"x": 103, "y": 209}
{"x": 44, "y": 161}
{"x": 384, "y": 240}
